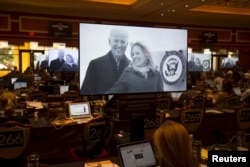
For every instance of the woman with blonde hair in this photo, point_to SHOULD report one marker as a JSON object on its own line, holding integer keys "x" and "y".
{"x": 141, "y": 75}
{"x": 174, "y": 146}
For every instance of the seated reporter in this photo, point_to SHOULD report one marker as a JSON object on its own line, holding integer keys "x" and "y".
{"x": 8, "y": 104}
{"x": 227, "y": 90}
{"x": 174, "y": 146}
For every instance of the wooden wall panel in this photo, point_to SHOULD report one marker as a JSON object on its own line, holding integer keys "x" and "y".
{"x": 33, "y": 24}
{"x": 5, "y": 22}
{"x": 243, "y": 36}
{"x": 223, "y": 35}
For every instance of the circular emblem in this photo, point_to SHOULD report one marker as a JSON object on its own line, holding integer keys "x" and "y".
{"x": 206, "y": 65}
{"x": 172, "y": 67}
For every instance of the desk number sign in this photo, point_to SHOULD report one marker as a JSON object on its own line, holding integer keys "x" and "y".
{"x": 11, "y": 139}
{"x": 193, "y": 117}
{"x": 151, "y": 123}
{"x": 245, "y": 116}
{"x": 98, "y": 131}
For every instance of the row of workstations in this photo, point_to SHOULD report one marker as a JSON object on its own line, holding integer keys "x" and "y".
{"x": 215, "y": 127}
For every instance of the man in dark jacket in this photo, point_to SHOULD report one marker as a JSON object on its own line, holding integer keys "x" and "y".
{"x": 104, "y": 71}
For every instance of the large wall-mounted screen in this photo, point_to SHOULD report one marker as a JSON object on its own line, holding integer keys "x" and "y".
{"x": 116, "y": 59}
{"x": 199, "y": 62}
{"x": 63, "y": 60}
{"x": 229, "y": 62}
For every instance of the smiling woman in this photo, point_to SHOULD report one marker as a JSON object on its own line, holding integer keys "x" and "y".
{"x": 141, "y": 75}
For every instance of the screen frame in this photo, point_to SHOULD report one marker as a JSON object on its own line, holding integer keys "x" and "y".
{"x": 86, "y": 39}
{"x": 53, "y": 54}
{"x": 203, "y": 57}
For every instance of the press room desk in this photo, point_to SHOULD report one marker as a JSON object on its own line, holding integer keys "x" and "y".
{"x": 211, "y": 126}
{"x": 115, "y": 160}
{"x": 51, "y": 144}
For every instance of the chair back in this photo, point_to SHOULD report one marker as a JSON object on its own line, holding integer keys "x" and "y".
{"x": 37, "y": 95}
{"x": 198, "y": 101}
{"x": 151, "y": 124}
{"x": 14, "y": 139}
{"x": 232, "y": 102}
{"x": 247, "y": 100}
{"x": 243, "y": 117}
{"x": 98, "y": 128}
{"x": 71, "y": 96}
{"x": 191, "y": 117}
{"x": 163, "y": 103}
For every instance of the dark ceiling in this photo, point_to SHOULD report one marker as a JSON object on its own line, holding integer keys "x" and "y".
{"x": 220, "y": 13}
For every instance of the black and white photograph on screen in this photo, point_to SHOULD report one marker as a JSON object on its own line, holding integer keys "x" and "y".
{"x": 199, "y": 62}
{"x": 42, "y": 61}
{"x": 229, "y": 62}
{"x": 63, "y": 60}
{"x": 117, "y": 59}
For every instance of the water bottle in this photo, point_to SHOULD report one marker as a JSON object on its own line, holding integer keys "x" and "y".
{"x": 240, "y": 139}
{"x": 197, "y": 144}
{"x": 33, "y": 160}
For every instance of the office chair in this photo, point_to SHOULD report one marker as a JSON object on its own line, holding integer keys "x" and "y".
{"x": 198, "y": 101}
{"x": 232, "y": 101}
{"x": 37, "y": 95}
{"x": 96, "y": 139}
{"x": 243, "y": 118}
{"x": 191, "y": 117}
{"x": 71, "y": 96}
{"x": 15, "y": 137}
{"x": 152, "y": 124}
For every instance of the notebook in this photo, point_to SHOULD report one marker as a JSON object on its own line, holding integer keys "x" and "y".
{"x": 137, "y": 154}
{"x": 80, "y": 112}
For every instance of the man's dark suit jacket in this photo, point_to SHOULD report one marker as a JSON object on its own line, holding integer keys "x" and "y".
{"x": 55, "y": 64}
{"x": 102, "y": 73}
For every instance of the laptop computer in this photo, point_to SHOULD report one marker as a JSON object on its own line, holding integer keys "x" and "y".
{"x": 80, "y": 112}
{"x": 237, "y": 91}
{"x": 13, "y": 80}
{"x": 63, "y": 88}
{"x": 176, "y": 95}
{"x": 21, "y": 84}
{"x": 137, "y": 154}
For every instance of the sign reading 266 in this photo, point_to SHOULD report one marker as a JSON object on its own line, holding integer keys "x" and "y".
{"x": 11, "y": 139}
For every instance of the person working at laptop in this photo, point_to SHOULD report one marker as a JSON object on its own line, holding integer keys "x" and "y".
{"x": 174, "y": 146}
{"x": 8, "y": 104}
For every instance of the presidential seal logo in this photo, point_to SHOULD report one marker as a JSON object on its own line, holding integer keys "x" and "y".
{"x": 172, "y": 67}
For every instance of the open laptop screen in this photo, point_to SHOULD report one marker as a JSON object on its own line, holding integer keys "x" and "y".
{"x": 79, "y": 110}
{"x": 64, "y": 88}
{"x": 18, "y": 85}
{"x": 137, "y": 154}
